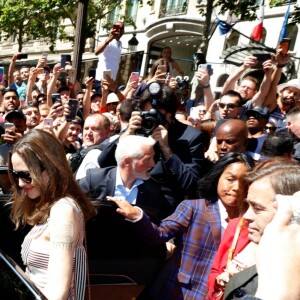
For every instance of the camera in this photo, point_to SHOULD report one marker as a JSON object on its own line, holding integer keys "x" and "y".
{"x": 152, "y": 118}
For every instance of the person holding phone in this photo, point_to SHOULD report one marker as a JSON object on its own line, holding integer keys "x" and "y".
{"x": 109, "y": 52}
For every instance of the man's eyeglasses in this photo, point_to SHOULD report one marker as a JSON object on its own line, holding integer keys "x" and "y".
{"x": 229, "y": 105}
{"x": 23, "y": 175}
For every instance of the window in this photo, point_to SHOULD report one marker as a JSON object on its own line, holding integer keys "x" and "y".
{"x": 173, "y": 7}
{"x": 132, "y": 9}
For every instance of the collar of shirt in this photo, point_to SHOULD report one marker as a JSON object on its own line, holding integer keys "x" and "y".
{"x": 122, "y": 192}
{"x": 223, "y": 216}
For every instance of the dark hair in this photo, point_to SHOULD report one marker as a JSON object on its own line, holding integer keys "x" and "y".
{"x": 233, "y": 93}
{"x": 207, "y": 186}
{"x": 166, "y": 100}
{"x": 126, "y": 108}
{"x": 95, "y": 95}
{"x": 10, "y": 90}
{"x": 43, "y": 152}
{"x": 278, "y": 144}
{"x": 284, "y": 176}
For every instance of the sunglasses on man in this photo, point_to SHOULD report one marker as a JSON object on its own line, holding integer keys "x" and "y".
{"x": 229, "y": 105}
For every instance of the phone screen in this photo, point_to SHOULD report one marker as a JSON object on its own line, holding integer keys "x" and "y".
{"x": 92, "y": 73}
{"x": 106, "y": 74}
{"x": 117, "y": 28}
{"x": 64, "y": 59}
{"x": 135, "y": 77}
{"x": 48, "y": 122}
{"x": 8, "y": 125}
{"x": 73, "y": 103}
{"x": 162, "y": 68}
{"x": 56, "y": 97}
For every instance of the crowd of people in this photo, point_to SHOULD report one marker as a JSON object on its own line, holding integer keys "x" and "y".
{"x": 154, "y": 184}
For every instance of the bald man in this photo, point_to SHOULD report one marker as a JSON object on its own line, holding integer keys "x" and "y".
{"x": 231, "y": 136}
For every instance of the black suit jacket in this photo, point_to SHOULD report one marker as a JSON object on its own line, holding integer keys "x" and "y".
{"x": 114, "y": 247}
{"x": 178, "y": 176}
{"x": 241, "y": 284}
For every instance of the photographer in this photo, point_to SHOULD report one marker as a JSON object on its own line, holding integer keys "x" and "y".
{"x": 179, "y": 149}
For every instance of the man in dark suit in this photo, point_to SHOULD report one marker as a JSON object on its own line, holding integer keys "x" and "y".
{"x": 179, "y": 152}
{"x": 113, "y": 245}
{"x": 275, "y": 178}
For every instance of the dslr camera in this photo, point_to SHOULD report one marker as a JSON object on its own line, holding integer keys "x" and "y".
{"x": 152, "y": 118}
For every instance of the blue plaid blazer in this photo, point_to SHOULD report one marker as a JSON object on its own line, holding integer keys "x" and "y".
{"x": 197, "y": 228}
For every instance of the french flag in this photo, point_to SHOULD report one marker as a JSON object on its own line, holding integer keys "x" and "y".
{"x": 257, "y": 31}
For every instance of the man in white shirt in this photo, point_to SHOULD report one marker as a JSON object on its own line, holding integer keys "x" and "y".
{"x": 109, "y": 52}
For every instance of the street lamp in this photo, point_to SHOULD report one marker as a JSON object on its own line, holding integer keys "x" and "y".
{"x": 132, "y": 43}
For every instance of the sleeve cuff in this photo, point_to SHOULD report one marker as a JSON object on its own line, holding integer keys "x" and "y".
{"x": 137, "y": 219}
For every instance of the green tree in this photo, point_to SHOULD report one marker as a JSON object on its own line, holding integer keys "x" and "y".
{"x": 32, "y": 19}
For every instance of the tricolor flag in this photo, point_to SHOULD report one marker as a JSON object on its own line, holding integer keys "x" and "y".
{"x": 257, "y": 31}
{"x": 223, "y": 26}
{"x": 285, "y": 22}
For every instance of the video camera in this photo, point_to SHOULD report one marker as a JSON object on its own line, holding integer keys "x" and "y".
{"x": 152, "y": 118}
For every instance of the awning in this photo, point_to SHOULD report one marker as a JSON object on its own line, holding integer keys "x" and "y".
{"x": 236, "y": 54}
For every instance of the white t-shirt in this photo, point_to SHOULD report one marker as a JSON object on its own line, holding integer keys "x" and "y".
{"x": 109, "y": 59}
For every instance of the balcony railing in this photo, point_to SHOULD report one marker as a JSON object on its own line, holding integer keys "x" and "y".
{"x": 173, "y": 10}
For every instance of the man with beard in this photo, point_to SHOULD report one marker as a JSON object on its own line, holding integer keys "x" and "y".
{"x": 32, "y": 113}
{"x": 10, "y": 100}
{"x": 293, "y": 126}
{"x": 70, "y": 141}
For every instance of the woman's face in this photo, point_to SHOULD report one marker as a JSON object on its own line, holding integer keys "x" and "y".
{"x": 21, "y": 173}
{"x": 166, "y": 53}
{"x": 231, "y": 189}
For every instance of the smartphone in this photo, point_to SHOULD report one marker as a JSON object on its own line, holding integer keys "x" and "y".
{"x": 40, "y": 71}
{"x": 8, "y": 125}
{"x": 73, "y": 103}
{"x": 56, "y": 97}
{"x": 194, "y": 113}
{"x": 22, "y": 56}
{"x": 261, "y": 57}
{"x": 106, "y": 74}
{"x": 135, "y": 77}
{"x": 1, "y": 73}
{"x": 72, "y": 75}
{"x": 162, "y": 68}
{"x": 92, "y": 73}
{"x": 117, "y": 28}
{"x": 48, "y": 122}
{"x": 285, "y": 45}
{"x": 64, "y": 58}
{"x": 44, "y": 55}
{"x": 202, "y": 67}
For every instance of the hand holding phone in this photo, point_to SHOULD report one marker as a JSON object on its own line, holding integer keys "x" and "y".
{"x": 22, "y": 56}
{"x": 116, "y": 28}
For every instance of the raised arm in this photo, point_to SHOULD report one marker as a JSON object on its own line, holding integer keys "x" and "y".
{"x": 86, "y": 103}
{"x": 51, "y": 86}
{"x": 203, "y": 79}
{"x": 30, "y": 83}
{"x": 260, "y": 96}
{"x": 271, "y": 98}
{"x": 231, "y": 81}
{"x": 11, "y": 69}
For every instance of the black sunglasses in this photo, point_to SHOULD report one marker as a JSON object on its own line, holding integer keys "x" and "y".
{"x": 229, "y": 105}
{"x": 271, "y": 128}
{"x": 23, "y": 175}
{"x": 255, "y": 116}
